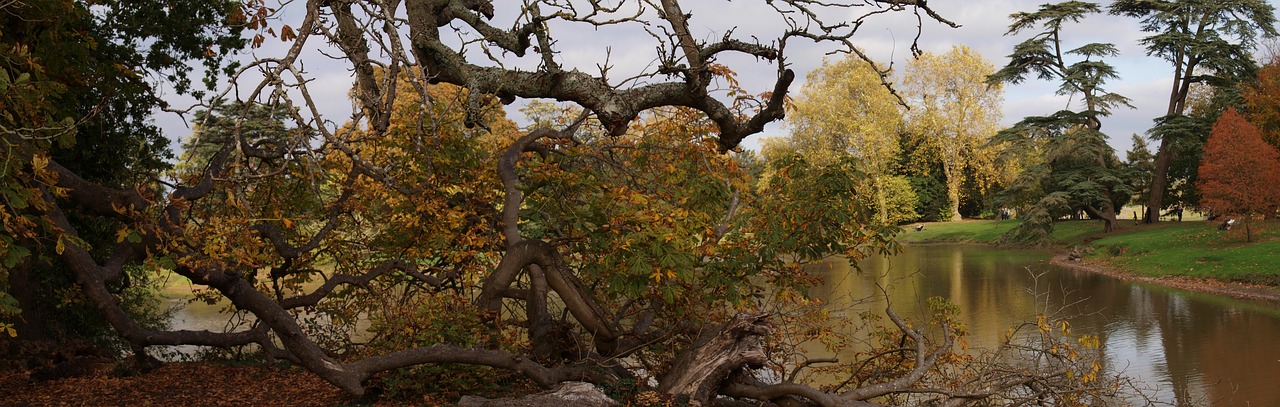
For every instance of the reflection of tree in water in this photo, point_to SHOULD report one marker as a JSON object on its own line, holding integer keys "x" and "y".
{"x": 1196, "y": 351}
{"x": 1176, "y": 322}
{"x": 1189, "y": 348}
{"x": 1236, "y": 361}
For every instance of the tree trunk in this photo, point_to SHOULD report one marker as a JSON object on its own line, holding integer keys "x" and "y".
{"x": 701, "y": 369}
{"x": 31, "y": 322}
{"x": 1248, "y": 231}
{"x": 1159, "y": 180}
{"x": 953, "y": 192}
{"x": 883, "y": 212}
{"x": 1107, "y": 214}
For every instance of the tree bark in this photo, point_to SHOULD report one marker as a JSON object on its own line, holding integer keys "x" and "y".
{"x": 953, "y": 192}
{"x": 1159, "y": 181}
{"x": 1107, "y": 214}
{"x": 701, "y": 369}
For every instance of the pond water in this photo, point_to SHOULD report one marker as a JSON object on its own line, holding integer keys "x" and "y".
{"x": 1186, "y": 348}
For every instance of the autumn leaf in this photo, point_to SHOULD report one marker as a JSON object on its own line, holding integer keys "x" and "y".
{"x": 1239, "y": 173}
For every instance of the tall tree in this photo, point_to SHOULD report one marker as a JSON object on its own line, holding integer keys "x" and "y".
{"x": 1205, "y": 104}
{"x": 78, "y": 85}
{"x": 1262, "y": 100}
{"x": 1141, "y": 164}
{"x": 1206, "y": 41}
{"x": 843, "y": 111}
{"x": 1080, "y": 172}
{"x": 954, "y": 114}
{"x": 1240, "y": 173}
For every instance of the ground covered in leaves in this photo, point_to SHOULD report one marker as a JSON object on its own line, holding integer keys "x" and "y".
{"x": 186, "y": 384}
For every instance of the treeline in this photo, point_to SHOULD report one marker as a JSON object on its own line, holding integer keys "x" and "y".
{"x": 934, "y": 161}
{"x": 933, "y": 150}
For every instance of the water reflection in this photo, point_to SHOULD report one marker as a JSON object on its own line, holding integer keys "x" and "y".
{"x": 1191, "y": 348}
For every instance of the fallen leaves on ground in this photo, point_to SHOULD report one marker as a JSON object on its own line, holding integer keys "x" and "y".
{"x": 188, "y": 384}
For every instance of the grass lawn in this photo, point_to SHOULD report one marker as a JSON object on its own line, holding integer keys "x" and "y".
{"x": 966, "y": 231}
{"x": 1196, "y": 249}
{"x": 1188, "y": 248}
{"x": 987, "y": 231}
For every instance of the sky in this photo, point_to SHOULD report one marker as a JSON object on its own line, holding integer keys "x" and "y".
{"x": 886, "y": 38}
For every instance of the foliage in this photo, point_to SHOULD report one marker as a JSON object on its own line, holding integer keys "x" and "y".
{"x": 624, "y": 243}
{"x": 1240, "y": 173}
{"x": 1043, "y": 55}
{"x": 1080, "y": 171}
{"x": 842, "y": 112}
{"x": 1206, "y": 41}
{"x": 899, "y": 199}
{"x": 1037, "y": 222}
{"x": 954, "y": 115}
{"x": 1140, "y": 163}
{"x": 257, "y": 128}
{"x": 1187, "y": 134}
{"x": 1262, "y": 100}
{"x": 822, "y": 212}
{"x": 931, "y": 198}
{"x": 76, "y": 88}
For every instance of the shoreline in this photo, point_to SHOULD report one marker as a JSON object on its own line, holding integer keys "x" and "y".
{"x": 1204, "y": 285}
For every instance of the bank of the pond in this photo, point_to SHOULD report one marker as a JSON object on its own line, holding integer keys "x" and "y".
{"x": 1193, "y": 255}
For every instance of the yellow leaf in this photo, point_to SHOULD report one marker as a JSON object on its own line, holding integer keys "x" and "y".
{"x": 39, "y": 162}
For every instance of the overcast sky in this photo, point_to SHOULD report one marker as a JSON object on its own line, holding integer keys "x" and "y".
{"x": 1146, "y": 80}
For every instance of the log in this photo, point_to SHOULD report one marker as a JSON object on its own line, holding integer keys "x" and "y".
{"x": 701, "y": 369}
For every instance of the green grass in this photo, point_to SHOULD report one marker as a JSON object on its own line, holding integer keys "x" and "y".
{"x": 1196, "y": 249}
{"x": 987, "y": 231}
{"x": 969, "y": 231}
{"x": 1189, "y": 248}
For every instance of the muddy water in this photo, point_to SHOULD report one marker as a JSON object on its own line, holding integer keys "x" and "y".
{"x": 1188, "y": 348}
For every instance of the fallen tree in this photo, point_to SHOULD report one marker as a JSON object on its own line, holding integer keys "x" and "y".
{"x": 617, "y": 239}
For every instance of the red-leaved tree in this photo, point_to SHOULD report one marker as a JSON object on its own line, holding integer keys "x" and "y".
{"x": 1240, "y": 173}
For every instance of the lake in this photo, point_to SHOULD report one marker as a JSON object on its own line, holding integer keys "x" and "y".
{"x": 1186, "y": 348}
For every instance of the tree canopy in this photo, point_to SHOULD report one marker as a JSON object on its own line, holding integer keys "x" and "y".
{"x": 619, "y": 239}
{"x": 1080, "y": 171}
{"x": 844, "y": 113}
{"x": 954, "y": 115}
{"x": 1240, "y": 173}
{"x": 1205, "y": 41}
